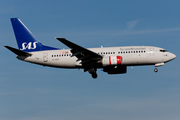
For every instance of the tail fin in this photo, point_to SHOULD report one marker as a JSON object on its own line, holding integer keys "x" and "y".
{"x": 25, "y": 39}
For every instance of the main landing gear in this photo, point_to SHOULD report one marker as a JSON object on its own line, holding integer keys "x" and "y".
{"x": 155, "y": 70}
{"x": 93, "y": 73}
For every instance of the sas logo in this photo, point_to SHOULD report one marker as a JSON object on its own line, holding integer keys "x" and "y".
{"x": 28, "y": 46}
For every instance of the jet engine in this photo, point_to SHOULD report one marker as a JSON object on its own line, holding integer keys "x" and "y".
{"x": 111, "y": 60}
{"x": 115, "y": 69}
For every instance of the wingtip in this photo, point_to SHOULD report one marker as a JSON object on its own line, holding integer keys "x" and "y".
{"x": 6, "y": 46}
{"x": 60, "y": 38}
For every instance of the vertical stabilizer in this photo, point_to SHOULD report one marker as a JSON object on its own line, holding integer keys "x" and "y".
{"x": 25, "y": 39}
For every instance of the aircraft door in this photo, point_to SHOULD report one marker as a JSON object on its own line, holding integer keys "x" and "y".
{"x": 45, "y": 57}
{"x": 151, "y": 51}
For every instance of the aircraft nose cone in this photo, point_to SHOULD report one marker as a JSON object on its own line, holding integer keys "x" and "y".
{"x": 173, "y": 56}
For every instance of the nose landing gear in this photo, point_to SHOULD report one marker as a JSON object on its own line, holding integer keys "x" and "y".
{"x": 155, "y": 70}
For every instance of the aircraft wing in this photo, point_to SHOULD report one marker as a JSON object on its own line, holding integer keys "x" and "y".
{"x": 86, "y": 56}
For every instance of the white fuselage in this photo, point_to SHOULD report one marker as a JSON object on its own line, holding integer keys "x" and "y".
{"x": 131, "y": 56}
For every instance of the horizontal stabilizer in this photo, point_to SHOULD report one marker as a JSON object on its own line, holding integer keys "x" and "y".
{"x": 18, "y": 52}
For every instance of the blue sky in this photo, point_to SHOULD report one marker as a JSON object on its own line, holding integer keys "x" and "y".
{"x": 33, "y": 92}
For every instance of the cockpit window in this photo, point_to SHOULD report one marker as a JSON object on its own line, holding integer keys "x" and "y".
{"x": 163, "y": 50}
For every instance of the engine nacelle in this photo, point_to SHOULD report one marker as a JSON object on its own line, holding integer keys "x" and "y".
{"x": 115, "y": 69}
{"x": 111, "y": 60}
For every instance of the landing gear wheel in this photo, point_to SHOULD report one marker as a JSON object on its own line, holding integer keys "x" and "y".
{"x": 94, "y": 75}
{"x": 155, "y": 70}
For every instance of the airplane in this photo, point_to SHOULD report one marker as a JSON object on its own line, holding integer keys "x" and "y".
{"x": 113, "y": 60}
